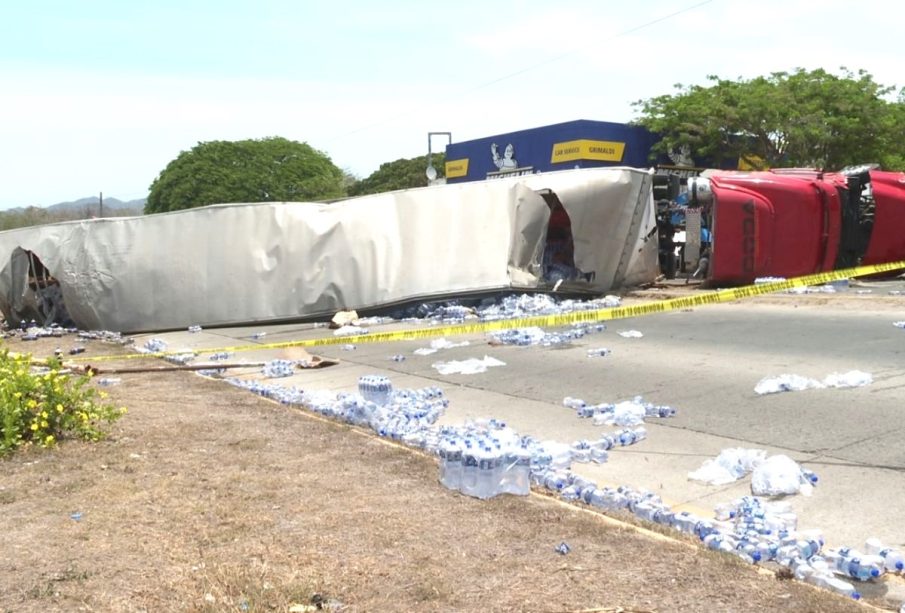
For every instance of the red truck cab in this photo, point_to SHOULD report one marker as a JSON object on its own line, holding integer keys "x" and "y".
{"x": 793, "y": 222}
{"x": 887, "y": 238}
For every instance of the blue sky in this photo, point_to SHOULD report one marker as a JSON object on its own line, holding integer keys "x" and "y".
{"x": 99, "y": 95}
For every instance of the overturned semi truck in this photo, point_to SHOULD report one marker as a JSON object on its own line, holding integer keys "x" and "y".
{"x": 588, "y": 230}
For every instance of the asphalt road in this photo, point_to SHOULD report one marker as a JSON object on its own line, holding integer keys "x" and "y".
{"x": 706, "y": 363}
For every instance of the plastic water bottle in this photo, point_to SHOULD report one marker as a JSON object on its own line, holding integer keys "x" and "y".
{"x": 469, "y": 469}
{"x": 605, "y": 442}
{"x": 599, "y": 455}
{"x": 451, "y": 465}
{"x": 570, "y": 492}
{"x": 719, "y": 542}
{"x": 829, "y": 582}
{"x": 893, "y": 559}
{"x": 488, "y": 474}
{"x": 809, "y": 476}
{"x": 630, "y": 437}
{"x": 848, "y": 562}
{"x": 804, "y": 548}
{"x": 685, "y": 522}
{"x": 573, "y": 403}
{"x": 598, "y": 352}
{"x": 581, "y": 451}
{"x": 556, "y": 481}
{"x": 108, "y": 381}
{"x": 585, "y": 412}
{"x": 516, "y": 475}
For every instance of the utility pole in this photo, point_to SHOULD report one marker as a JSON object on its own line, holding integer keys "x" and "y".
{"x": 100, "y": 208}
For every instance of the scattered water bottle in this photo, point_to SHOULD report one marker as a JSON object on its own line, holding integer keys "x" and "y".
{"x": 809, "y": 476}
{"x": 834, "y": 584}
{"x": 852, "y": 563}
{"x": 570, "y": 493}
{"x": 598, "y": 352}
{"x": 581, "y": 451}
{"x": 573, "y": 403}
{"x": 108, "y": 381}
{"x": 398, "y": 358}
{"x": 893, "y": 559}
{"x": 598, "y": 454}
{"x": 155, "y": 345}
{"x": 194, "y": 329}
{"x": 630, "y": 436}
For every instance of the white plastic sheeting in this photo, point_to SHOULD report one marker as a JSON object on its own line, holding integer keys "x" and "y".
{"x": 246, "y": 263}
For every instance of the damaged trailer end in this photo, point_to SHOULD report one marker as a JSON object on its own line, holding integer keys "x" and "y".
{"x": 231, "y": 264}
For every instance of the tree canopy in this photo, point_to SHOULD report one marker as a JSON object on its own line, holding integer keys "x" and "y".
{"x": 401, "y": 174}
{"x": 803, "y": 118}
{"x": 260, "y": 170}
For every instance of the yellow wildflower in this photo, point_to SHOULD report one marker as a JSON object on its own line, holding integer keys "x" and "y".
{"x": 49, "y": 440}
{"x": 44, "y": 414}
{"x": 44, "y": 423}
{"x": 32, "y": 403}
{"x": 34, "y": 427}
{"x": 59, "y": 408}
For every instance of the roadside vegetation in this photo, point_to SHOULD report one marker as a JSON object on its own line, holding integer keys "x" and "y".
{"x": 805, "y": 119}
{"x": 46, "y": 407}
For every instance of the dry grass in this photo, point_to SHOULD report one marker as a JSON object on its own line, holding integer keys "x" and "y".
{"x": 207, "y": 498}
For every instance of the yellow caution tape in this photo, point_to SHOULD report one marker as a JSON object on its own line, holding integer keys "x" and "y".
{"x": 548, "y": 321}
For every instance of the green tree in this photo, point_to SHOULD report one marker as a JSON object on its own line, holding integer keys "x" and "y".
{"x": 894, "y": 134}
{"x": 804, "y": 118}
{"x": 261, "y": 170}
{"x": 401, "y": 174}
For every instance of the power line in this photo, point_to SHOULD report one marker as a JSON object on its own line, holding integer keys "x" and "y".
{"x": 528, "y": 68}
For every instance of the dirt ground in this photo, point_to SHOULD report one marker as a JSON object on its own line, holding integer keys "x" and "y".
{"x": 208, "y": 498}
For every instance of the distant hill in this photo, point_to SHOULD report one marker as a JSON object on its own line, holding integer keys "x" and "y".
{"x": 90, "y": 204}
